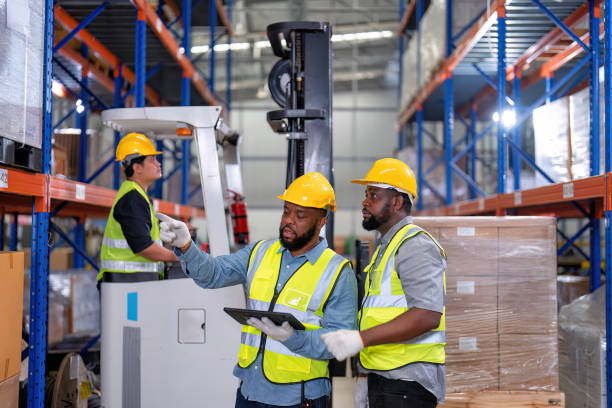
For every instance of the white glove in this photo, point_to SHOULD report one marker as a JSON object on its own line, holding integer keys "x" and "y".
{"x": 165, "y": 234}
{"x": 171, "y": 227}
{"x": 280, "y": 333}
{"x": 361, "y": 393}
{"x": 343, "y": 343}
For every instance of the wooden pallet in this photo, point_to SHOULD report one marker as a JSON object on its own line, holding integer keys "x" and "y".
{"x": 505, "y": 399}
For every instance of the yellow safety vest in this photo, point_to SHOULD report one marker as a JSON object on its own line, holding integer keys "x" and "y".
{"x": 116, "y": 255}
{"x": 384, "y": 300}
{"x": 304, "y": 296}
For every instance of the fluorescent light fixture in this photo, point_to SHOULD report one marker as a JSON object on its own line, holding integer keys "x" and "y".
{"x": 201, "y": 49}
{"x": 363, "y": 36}
{"x": 262, "y": 44}
{"x": 79, "y": 106}
{"x": 508, "y": 118}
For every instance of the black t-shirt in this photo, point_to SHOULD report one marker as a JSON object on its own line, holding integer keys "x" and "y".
{"x": 133, "y": 214}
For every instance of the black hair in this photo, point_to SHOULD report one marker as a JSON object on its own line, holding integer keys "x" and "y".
{"x": 129, "y": 170}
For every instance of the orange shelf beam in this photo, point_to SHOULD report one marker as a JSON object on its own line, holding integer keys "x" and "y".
{"x": 223, "y": 17}
{"x": 555, "y": 199}
{"x": 406, "y": 17}
{"x": 483, "y": 24}
{"x": 69, "y": 24}
{"x": 166, "y": 38}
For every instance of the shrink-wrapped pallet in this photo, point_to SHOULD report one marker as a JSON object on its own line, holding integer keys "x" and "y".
{"x": 501, "y": 303}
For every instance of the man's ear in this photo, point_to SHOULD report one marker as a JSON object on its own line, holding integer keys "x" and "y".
{"x": 322, "y": 221}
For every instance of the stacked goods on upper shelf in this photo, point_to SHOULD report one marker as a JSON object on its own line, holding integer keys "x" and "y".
{"x": 11, "y": 290}
{"x": 501, "y": 301}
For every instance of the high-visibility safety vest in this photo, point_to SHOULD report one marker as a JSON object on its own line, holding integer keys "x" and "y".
{"x": 384, "y": 300}
{"x": 304, "y": 295}
{"x": 116, "y": 255}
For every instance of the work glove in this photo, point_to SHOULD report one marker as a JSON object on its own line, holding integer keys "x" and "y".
{"x": 361, "y": 393}
{"x": 280, "y": 333}
{"x": 176, "y": 232}
{"x": 343, "y": 343}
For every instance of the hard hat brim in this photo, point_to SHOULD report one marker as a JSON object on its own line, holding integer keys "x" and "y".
{"x": 156, "y": 153}
{"x": 282, "y": 197}
{"x": 364, "y": 181}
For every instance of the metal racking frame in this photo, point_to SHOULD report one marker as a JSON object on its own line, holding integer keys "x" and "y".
{"x": 45, "y": 196}
{"x": 590, "y": 197}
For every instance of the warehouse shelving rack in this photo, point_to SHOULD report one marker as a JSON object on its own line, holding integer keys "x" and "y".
{"x": 590, "y": 197}
{"x": 45, "y": 196}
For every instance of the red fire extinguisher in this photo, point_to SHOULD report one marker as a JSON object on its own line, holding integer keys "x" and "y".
{"x": 239, "y": 219}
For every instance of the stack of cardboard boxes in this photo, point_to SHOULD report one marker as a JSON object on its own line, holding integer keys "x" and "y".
{"x": 11, "y": 290}
{"x": 501, "y": 304}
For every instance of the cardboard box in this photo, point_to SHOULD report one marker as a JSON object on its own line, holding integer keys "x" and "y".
{"x": 59, "y": 258}
{"x": 9, "y": 392}
{"x": 11, "y": 304}
{"x": 527, "y": 305}
{"x": 529, "y": 362}
{"x": 529, "y": 251}
{"x": 505, "y": 399}
{"x": 570, "y": 287}
{"x": 472, "y": 362}
{"x": 471, "y": 304}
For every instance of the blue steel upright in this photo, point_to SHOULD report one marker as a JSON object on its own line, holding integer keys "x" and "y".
{"x": 118, "y": 103}
{"x": 516, "y": 131}
{"x": 140, "y": 60}
{"x": 501, "y": 98}
{"x": 595, "y": 231}
{"x": 400, "y": 44}
{"x": 449, "y": 110}
{"x": 472, "y": 158}
{"x": 419, "y": 120}
{"x": 212, "y": 15}
{"x": 40, "y": 236}
{"x": 608, "y": 214}
{"x": 228, "y": 65}
{"x": 13, "y": 233}
{"x": 186, "y": 100}
{"x": 81, "y": 119}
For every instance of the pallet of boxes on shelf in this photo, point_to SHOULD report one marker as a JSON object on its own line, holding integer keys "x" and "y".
{"x": 501, "y": 302}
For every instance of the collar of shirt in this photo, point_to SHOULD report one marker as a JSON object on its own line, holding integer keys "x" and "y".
{"x": 384, "y": 241}
{"x": 311, "y": 255}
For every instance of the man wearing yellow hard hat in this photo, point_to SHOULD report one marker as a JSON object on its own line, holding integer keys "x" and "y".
{"x": 401, "y": 333}
{"x": 131, "y": 246}
{"x": 296, "y": 273}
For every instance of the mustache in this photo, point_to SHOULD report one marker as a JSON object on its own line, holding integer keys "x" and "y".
{"x": 366, "y": 211}
{"x": 288, "y": 227}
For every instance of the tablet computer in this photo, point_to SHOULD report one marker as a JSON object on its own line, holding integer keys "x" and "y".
{"x": 241, "y": 316}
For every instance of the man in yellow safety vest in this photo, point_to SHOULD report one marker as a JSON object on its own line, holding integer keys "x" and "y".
{"x": 131, "y": 246}
{"x": 298, "y": 274}
{"x": 401, "y": 334}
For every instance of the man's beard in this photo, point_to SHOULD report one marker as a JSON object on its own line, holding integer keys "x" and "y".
{"x": 299, "y": 241}
{"x": 374, "y": 222}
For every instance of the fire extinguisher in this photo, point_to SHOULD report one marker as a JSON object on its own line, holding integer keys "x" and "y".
{"x": 239, "y": 219}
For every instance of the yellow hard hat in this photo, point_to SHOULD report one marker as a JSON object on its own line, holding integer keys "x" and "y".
{"x": 393, "y": 173}
{"x": 311, "y": 190}
{"x": 135, "y": 143}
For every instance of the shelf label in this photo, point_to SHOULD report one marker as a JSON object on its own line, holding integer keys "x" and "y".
{"x": 456, "y": 209}
{"x": 468, "y": 344}
{"x": 465, "y": 287}
{"x": 193, "y": 212}
{"x": 568, "y": 190}
{"x": 3, "y": 178}
{"x": 481, "y": 204}
{"x": 177, "y": 209}
{"x": 156, "y": 205}
{"x": 466, "y": 231}
{"x": 80, "y": 192}
{"x": 158, "y": 25}
{"x": 518, "y": 198}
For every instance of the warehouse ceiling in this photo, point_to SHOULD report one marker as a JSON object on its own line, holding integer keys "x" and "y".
{"x": 366, "y": 63}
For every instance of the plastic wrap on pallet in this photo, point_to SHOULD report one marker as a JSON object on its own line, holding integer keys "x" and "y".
{"x": 501, "y": 301}
{"x": 570, "y": 287}
{"x": 73, "y": 303}
{"x": 582, "y": 350}
{"x": 21, "y": 69}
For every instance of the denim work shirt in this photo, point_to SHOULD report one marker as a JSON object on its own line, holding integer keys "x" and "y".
{"x": 340, "y": 313}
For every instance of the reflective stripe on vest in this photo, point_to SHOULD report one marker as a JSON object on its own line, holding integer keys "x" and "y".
{"x": 384, "y": 300}
{"x": 304, "y": 296}
{"x": 116, "y": 255}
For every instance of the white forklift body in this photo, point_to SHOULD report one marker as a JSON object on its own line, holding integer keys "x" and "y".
{"x": 169, "y": 343}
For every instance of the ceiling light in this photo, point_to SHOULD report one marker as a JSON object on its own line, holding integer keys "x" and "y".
{"x": 363, "y": 36}
{"x": 79, "y": 106}
{"x": 508, "y": 118}
{"x": 58, "y": 89}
